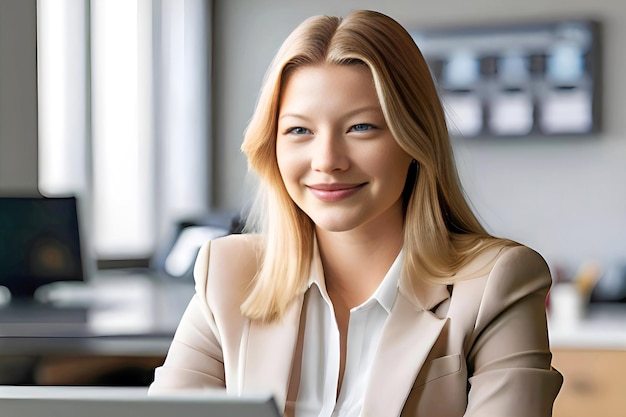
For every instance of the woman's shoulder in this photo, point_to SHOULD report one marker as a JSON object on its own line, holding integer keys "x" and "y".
{"x": 502, "y": 275}
{"x": 517, "y": 261}
{"x": 520, "y": 257}
{"x": 236, "y": 245}
{"x": 503, "y": 257}
{"x": 227, "y": 264}
{"x": 519, "y": 269}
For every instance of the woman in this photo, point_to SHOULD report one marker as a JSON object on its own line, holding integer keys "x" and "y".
{"x": 369, "y": 287}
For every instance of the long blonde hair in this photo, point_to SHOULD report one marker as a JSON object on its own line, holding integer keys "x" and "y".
{"x": 441, "y": 233}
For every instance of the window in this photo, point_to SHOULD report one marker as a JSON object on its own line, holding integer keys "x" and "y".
{"x": 124, "y": 116}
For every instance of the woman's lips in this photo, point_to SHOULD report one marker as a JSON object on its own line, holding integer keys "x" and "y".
{"x": 334, "y": 192}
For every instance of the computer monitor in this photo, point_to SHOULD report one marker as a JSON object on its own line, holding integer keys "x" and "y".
{"x": 40, "y": 243}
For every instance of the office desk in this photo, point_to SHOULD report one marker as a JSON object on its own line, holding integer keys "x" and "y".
{"x": 591, "y": 355}
{"x": 130, "y": 322}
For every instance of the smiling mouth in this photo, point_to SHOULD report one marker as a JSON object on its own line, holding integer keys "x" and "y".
{"x": 334, "y": 192}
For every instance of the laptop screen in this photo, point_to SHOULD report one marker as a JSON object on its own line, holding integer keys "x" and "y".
{"x": 39, "y": 243}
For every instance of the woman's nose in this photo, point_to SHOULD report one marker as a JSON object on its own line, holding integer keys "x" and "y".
{"x": 329, "y": 154}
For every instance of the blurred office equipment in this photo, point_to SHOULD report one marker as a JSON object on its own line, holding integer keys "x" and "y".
{"x": 70, "y": 324}
{"x": 56, "y": 306}
{"x": 176, "y": 255}
{"x": 611, "y": 285}
{"x": 517, "y": 80}
{"x": 40, "y": 243}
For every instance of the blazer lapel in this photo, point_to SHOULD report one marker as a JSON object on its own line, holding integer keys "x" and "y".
{"x": 267, "y": 355}
{"x": 409, "y": 335}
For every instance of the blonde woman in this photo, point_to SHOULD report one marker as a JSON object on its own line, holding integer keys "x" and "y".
{"x": 366, "y": 286}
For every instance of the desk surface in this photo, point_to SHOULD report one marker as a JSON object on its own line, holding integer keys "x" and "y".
{"x": 129, "y": 313}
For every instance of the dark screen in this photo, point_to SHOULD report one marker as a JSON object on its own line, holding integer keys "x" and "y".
{"x": 39, "y": 243}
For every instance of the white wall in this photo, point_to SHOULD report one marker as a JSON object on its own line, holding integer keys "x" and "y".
{"x": 565, "y": 197}
{"x": 18, "y": 97}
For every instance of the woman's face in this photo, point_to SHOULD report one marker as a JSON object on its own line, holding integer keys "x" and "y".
{"x": 336, "y": 155}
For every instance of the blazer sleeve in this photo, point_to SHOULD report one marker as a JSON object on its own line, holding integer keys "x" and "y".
{"x": 195, "y": 358}
{"x": 509, "y": 361}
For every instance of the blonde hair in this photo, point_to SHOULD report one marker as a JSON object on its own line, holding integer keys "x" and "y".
{"x": 441, "y": 233}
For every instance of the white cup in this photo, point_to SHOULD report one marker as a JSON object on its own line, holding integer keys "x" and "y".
{"x": 567, "y": 306}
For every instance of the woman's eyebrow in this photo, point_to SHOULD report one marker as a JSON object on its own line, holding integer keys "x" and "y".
{"x": 351, "y": 113}
{"x": 294, "y": 115}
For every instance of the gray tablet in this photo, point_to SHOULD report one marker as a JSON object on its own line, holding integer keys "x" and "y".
{"x": 122, "y": 402}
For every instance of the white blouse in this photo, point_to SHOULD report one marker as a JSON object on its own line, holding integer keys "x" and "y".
{"x": 317, "y": 395}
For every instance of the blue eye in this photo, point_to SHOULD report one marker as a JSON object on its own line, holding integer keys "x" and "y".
{"x": 362, "y": 127}
{"x": 299, "y": 131}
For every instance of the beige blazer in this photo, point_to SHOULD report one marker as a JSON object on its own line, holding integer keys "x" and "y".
{"x": 475, "y": 348}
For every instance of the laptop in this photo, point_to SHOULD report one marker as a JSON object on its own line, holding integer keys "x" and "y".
{"x": 47, "y": 401}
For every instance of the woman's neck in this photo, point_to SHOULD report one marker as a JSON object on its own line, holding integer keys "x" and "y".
{"x": 355, "y": 263}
